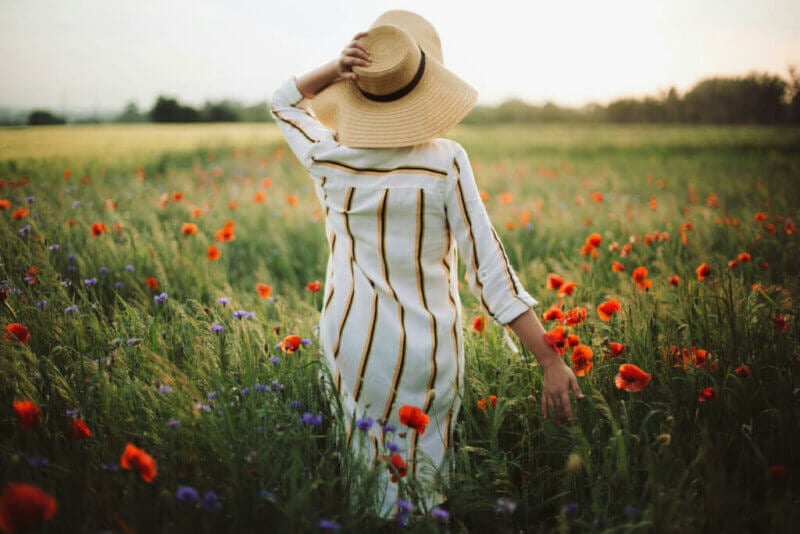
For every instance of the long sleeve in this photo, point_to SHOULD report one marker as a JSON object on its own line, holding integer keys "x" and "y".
{"x": 304, "y": 133}
{"x": 489, "y": 273}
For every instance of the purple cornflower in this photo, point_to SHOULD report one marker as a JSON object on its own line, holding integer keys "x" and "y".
{"x": 89, "y": 282}
{"x": 134, "y": 341}
{"x": 186, "y": 494}
{"x": 210, "y": 501}
{"x": 29, "y": 279}
{"x": 119, "y": 285}
{"x": 404, "y": 506}
{"x": 505, "y": 505}
{"x": 174, "y": 423}
{"x": 212, "y": 395}
{"x": 243, "y": 314}
{"x": 160, "y": 298}
{"x": 328, "y": 525}
{"x": 365, "y": 423}
{"x": 54, "y": 247}
{"x": 103, "y": 271}
{"x": 129, "y": 268}
{"x": 30, "y": 199}
{"x": 268, "y": 495}
{"x": 24, "y": 230}
{"x": 217, "y": 328}
{"x": 109, "y": 467}
{"x": 224, "y": 301}
{"x": 38, "y": 461}
{"x": 440, "y": 514}
{"x": 71, "y": 412}
{"x": 570, "y": 508}
{"x": 76, "y": 204}
{"x": 71, "y": 257}
{"x": 71, "y": 269}
{"x": 277, "y": 386}
{"x": 305, "y": 342}
{"x": 201, "y": 406}
{"x": 165, "y": 389}
{"x": 244, "y": 392}
{"x": 296, "y": 404}
{"x": 41, "y": 304}
{"x": 392, "y": 447}
{"x": 261, "y": 388}
{"x": 275, "y": 360}
{"x": 311, "y": 420}
{"x": 388, "y": 428}
{"x": 71, "y": 309}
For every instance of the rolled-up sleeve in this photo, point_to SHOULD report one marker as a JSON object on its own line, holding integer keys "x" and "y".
{"x": 489, "y": 273}
{"x": 304, "y": 133}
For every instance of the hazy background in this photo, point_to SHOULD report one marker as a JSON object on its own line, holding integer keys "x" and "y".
{"x": 101, "y": 54}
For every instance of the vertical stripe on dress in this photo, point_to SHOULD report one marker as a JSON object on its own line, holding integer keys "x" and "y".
{"x": 348, "y": 199}
{"x": 362, "y": 366}
{"x": 506, "y": 264}
{"x": 401, "y": 350}
{"x": 468, "y": 225}
{"x": 422, "y": 297}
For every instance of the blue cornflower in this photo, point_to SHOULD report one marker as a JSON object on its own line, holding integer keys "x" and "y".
{"x": 277, "y": 386}
{"x": 103, "y": 271}
{"x": 505, "y": 506}
{"x": 71, "y": 412}
{"x": 268, "y": 495}
{"x": 119, "y": 285}
{"x": 133, "y": 341}
{"x": 243, "y": 314}
{"x": 440, "y": 514}
{"x": 224, "y": 301}
{"x": 305, "y": 342}
{"x": 71, "y": 269}
{"x": 388, "y": 428}
{"x": 296, "y": 404}
{"x": 129, "y": 268}
{"x": 76, "y": 204}
{"x": 275, "y": 360}
{"x": 570, "y": 508}
{"x": 174, "y": 423}
{"x": 244, "y": 392}
{"x": 71, "y": 257}
{"x": 54, "y": 247}
{"x": 29, "y": 279}
{"x": 201, "y": 406}
{"x": 160, "y": 298}
{"x": 212, "y": 395}
{"x": 210, "y": 501}
{"x": 71, "y": 309}
{"x": 109, "y": 467}
{"x": 392, "y": 447}
{"x": 186, "y": 494}
{"x": 89, "y": 282}
{"x": 165, "y": 389}
{"x": 217, "y": 328}
{"x": 310, "y": 419}
{"x": 41, "y": 304}
{"x": 30, "y": 199}
{"x": 24, "y": 230}
{"x": 261, "y": 388}
{"x": 365, "y": 423}
{"x": 328, "y": 525}
{"x": 38, "y": 461}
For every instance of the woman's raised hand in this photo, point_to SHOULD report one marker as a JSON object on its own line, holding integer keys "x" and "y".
{"x": 354, "y": 54}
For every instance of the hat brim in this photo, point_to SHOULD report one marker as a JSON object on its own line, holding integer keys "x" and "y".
{"x": 438, "y": 102}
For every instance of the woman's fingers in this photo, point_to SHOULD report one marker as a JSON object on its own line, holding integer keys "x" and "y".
{"x": 357, "y": 52}
{"x": 545, "y": 405}
{"x": 576, "y": 389}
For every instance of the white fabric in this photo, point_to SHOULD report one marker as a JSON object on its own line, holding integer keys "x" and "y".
{"x": 390, "y": 325}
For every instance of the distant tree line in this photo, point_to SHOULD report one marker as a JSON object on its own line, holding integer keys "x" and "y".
{"x": 753, "y": 99}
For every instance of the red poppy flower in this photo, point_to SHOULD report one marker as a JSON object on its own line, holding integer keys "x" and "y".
{"x": 478, "y": 324}
{"x": 20, "y": 213}
{"x": 484, "y": 402}
{"x": 779, "y": 323}
{"x": 225, "y": 234}
{"x": 138, "y": 460}
{"x": 24, "y": 507}
{"x": 27, "y": 413}
{"x": 605, "y": 310}
{"x": 617, "y": 267}
{"x": 597, "y": 197}
{"x": 177, "y": 196}
{"x": 152, "y": 283}
{"x": 553, "y": 313}
{"x": 743, "y": 371}
{"x": 213, "y": 253}
{"x": 556, "y": 339}
{"x": 314, "y": 286}
{"x": 744, "y": 257}
{"x": 78, "y": 430}
{"x": 703, "y": 271}
{"x": 258, "y": 197}
{"x": 17, "y": 332}
{"x": 5, "y": 204}
{"x": 291, "y": 343}
{"x": 264, "y": 290}
{"x": 554, "y": 281}
{"x": 399, "y": 465}
{"x": 573, "y": 340}
{"x": 707, "y": 394}
{"x": 566, "y": 289}
{"x": 639, "y": 276}
{"x": 760, "y": 216}
{"x": 99, "y": 228}
{"x": 788, "y": 227}
{"x": 189, "y": 229}
{"x": 413, "y": 417}
{"x": 615, "y": 349}
{"x": 631, "y": 378}
{"x": 505, "y": 198}
{"x": 674, "y": 280}
{"x": 594, "y": 240}
{"x": 575, "y": 316}
{"x": 582, "y": 360}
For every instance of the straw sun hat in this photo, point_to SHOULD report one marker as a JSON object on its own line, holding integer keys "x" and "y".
{"x": 404, "y": 97}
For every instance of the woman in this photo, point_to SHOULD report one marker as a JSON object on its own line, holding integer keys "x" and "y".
{"x": 399, "y": 201}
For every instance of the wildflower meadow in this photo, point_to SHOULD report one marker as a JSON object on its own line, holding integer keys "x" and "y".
{"x": 159, "y": 367}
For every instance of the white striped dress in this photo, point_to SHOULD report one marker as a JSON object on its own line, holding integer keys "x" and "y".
{"x": 390, "y": 325}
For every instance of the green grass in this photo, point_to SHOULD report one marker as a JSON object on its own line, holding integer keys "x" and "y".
{"x": 657, "y": 460}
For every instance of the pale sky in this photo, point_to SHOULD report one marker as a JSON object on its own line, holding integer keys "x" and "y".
{"x": 100, "y": 54}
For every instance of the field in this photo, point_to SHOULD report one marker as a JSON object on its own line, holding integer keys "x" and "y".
{"x": 155, "y": 292}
